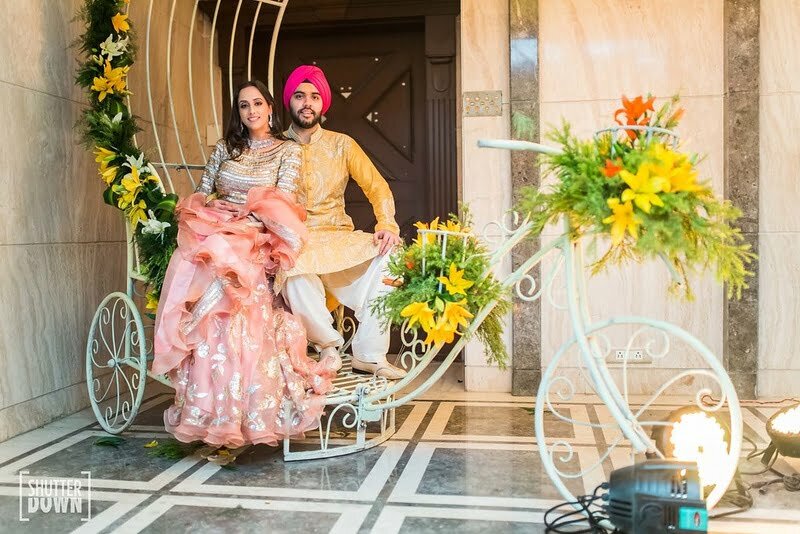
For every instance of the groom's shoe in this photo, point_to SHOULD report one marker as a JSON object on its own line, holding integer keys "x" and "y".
{"x": 381, "y": 368}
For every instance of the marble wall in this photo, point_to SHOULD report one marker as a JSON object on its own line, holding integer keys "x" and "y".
{"x": 60, "y": 253}
{"x": 779, "y": 230}
{"x": 485, "y": 181}
{"x": 61, "y": 249}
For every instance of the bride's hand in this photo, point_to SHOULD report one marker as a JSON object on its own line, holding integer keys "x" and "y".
{"x": 224, "y": 205}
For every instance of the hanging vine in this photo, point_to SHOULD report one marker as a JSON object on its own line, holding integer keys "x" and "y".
{"x": 108, "y": 128}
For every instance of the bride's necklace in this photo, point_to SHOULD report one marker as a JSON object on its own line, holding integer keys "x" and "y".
{"x": 256, "y": 144}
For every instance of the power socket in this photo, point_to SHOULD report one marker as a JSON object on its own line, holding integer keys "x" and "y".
{"x": 632, "y": 356}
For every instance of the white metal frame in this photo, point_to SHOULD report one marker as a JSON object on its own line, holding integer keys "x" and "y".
{"x": 594, "y": 346}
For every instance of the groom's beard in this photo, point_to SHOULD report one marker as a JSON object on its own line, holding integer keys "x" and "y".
{"x": 304, "y": 122}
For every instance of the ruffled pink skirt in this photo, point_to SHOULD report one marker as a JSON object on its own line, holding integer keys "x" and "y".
{"x": 237, "y": 360}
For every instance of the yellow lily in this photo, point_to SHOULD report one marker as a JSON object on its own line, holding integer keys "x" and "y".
{"x": 445, "y": 329}
{"x": 125, "y": 199}
{"x": 119, "y": 79}
{"x": 455, "y": 283}
{"x": 120, "y": 23}
{"x": 675, "y": 168}
{"x": 441, "y": 333}
{"x": 429, "y": 238}
{"x": 129, "y": 188}
{"x": 102, "y": 86}
{"x": 104, "y": 156}
{"x": 455, "y": 314}
{"x": 452, "y": 226}
{"x": 113, "y": 80}
{"x": 120, "y": 84}
{"x": 137, "y": 213}
{"x": 116, "y": 76}
{"x": 643, "y": 187}
{"x": 132, "y": 181}
{"x": 621, "y": 219}
{"x": 419, "y": 312}
{"x": 109, "y": 174}
{"x": 662, "y": 159}
{"x": 684, "y": 178}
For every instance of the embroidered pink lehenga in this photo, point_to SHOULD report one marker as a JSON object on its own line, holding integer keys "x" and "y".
{"x": 236, "y": 357}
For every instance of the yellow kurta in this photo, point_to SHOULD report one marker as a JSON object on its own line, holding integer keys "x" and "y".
{"x": 329, "y": 161}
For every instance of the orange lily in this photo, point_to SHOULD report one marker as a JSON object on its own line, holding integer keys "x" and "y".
{"x": 635, "y": 108}
{"x": 612, "y": 168}
{"x": 635, "y": 112}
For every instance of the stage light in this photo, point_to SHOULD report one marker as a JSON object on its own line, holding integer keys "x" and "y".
{"x": 694, "y": 435}
{"x": 657, "y": 496}
{"x": 784, "y": 430}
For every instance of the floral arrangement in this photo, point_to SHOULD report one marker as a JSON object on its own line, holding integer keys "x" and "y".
{"x": 634, "y": 185}
{"x": 107, "y": 126}
{"x": 441, "y": 286}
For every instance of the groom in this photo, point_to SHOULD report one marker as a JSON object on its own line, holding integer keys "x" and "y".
{"x": 349, "y": 264}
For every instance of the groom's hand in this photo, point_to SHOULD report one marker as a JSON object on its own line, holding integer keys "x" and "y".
{"x": 386, "y": 239}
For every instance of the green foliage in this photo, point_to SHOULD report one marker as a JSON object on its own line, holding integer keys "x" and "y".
{"x": 155, "y": 252}
{"x": 173, "y": 449}
{"x": 98, "y": 128}
{"x": 109, "y": 441}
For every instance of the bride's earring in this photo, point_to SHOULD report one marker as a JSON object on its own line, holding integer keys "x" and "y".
{"x": 270, "y": 121}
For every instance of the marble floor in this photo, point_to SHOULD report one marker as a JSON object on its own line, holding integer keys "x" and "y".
{"x": 460, "y": 462}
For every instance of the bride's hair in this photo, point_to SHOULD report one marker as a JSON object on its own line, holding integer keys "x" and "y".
{"x": 237, "y": 136}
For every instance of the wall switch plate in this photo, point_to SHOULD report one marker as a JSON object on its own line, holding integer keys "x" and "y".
{"x": 633, "y": 356}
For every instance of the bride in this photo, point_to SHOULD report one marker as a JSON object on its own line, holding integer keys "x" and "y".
{"x": 236, "y": 357}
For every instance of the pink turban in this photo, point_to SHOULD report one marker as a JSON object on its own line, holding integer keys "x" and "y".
{"x": 312, "y": 75}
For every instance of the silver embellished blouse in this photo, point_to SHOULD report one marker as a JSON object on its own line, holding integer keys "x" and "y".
{"x": 273, "y": 164}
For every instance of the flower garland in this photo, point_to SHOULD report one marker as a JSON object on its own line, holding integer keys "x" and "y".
{"x": 637, "y": 188}
{"x": 107, "y": 126}
{"x": 439, "y": 294}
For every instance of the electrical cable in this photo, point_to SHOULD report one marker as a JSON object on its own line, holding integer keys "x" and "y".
{"x": 740, "y": 497}
{"x": 589, "y": 519}
{"x": 790, "y": 482}
{"x": 757, "y": 452}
